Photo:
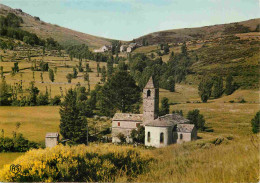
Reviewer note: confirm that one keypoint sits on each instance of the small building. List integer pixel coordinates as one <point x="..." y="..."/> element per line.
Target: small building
<point x="103" y="49"/>
<point x="131" y="47"/>
<point x="51" y="139"/>
<point x="123" y="48"/>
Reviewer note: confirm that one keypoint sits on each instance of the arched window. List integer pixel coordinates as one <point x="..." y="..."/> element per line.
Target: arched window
<point x="181" y="136"/>
<point x="161" y="138"/>
<point x="148" y="93"/>
<point x="148" y="137"/>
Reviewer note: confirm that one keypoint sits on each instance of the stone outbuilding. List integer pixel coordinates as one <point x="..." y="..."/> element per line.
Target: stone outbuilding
<point x="160" y="131"/>
<point x="51" y="139"/>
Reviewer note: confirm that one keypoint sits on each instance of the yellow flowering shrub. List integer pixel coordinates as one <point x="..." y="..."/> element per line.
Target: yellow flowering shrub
<point x="78" y="164"/>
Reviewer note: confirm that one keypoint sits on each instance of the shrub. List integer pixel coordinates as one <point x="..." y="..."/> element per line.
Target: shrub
<point x="196" y="118"/>
<point x="78" y="164"/>
<point x="16" y="144"/>
<point x="138" y="135"/>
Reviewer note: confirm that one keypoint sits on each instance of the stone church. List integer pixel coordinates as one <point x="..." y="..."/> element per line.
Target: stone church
<point x="160" y="131"/>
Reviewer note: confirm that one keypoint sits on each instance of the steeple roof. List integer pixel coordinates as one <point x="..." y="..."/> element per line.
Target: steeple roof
<point x="150" y="83"/>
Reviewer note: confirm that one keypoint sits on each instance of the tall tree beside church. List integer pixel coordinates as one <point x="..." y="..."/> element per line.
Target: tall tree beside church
<point x="73" y="123"/>
<point x="119" y="93"/>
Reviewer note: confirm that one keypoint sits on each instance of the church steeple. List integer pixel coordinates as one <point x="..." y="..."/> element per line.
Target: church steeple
<point x="150" y="101"/>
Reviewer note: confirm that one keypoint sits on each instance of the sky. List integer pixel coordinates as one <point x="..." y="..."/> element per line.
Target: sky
<point x="129" y="19"/>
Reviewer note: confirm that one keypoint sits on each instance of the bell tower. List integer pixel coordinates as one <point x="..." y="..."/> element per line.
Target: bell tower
<point x="150" y="102"/>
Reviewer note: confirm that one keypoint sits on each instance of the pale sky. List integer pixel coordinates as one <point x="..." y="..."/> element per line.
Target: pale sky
<point x="129" y="19"/>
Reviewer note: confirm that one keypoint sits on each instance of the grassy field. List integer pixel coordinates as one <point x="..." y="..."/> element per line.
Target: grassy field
<point x="234" y="159"/>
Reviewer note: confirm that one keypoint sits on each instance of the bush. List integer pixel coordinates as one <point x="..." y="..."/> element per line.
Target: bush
<point x="196" y="118"/>
<point x="16" y="144"/>
<point x="138" y="135"/>
<point x="78" y="164"/>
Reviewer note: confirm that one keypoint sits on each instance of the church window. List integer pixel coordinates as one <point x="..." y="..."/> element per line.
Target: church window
<point x="148" y="137"/>
<point x="148" y="93"/>
<point x="161" y="138"/>
<point x="181" y="136"/>
<point x="118" y="124"/>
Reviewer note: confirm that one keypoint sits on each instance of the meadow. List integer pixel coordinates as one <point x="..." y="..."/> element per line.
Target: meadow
<point x="225" y="152"/>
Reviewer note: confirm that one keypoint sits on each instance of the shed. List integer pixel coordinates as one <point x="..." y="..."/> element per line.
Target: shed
<point x="51" y="139"/>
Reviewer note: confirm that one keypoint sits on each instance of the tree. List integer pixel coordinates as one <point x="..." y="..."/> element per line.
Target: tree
<point x="41" y="77"/>
<point x="15" y="68"/>
<point x="138" y="135"/>
<point x="166" y="49"/>
<point x="119" y="93"/>
<point x="255" y="123"/>
<point x="86" y="76"/>
<point x="196" y="118"/>
<point x="165" y="109"/>
<point x="103" y="74"/>
<point x="73" y="124"/>
<point x="51" y="75"/>
<point x="205" y="87"/>
<point x="229" y="85"/>
<point x="69" y="77"/>
<point x="75" y="72"/>
<point x="109" y="68"/>
<point x="217" y="89"/>
<point x="33" y="93"/>
<point x="184" y="49"/>
<point x="171" y="84"/>
<point x="5" y="93"/>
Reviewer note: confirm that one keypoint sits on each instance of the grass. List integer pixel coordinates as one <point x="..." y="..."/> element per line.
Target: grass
<point x="6" y="158"/>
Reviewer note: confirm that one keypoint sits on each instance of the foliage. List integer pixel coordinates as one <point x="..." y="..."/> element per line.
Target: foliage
<point x="73" y="123"/>
<point x="217" y="89"/>
<point x="51" y="75"/>
<point x="138" y="135"/>
<point x="78" y="164"/>
<point x="16" y="144"/>
<point x="255" y="123"/>
<point x="69" y="77"/>
<point x="165" y="109"/>
<point x="196" y="118"/>
<point x="118" y="93"/>
<point x="204" y="88"/>
<point x="229" y="85"/>
<point x="5" y="93"/>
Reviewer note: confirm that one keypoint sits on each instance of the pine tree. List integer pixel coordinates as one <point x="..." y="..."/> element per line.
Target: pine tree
<point x="73" y="124"/>
<point x="109" y="68"/>
<point x="103" y="74"/>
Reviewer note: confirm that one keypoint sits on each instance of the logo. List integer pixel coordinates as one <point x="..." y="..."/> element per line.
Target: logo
<point x="15" y="168"/>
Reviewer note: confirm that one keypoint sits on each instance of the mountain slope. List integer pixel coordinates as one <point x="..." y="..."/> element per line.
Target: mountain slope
<point x="206" y="32"/>
<point x="44" y="30"/>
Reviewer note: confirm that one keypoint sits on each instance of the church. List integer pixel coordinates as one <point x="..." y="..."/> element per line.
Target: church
<point x="160" y="131"/>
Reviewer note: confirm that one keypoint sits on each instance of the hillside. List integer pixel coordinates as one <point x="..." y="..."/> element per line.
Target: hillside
<point x="200" y="33"/>
<point x="44" y="30"/>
